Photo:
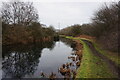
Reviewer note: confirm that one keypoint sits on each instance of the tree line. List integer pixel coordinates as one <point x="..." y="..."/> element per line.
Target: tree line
<point x="20" y="24"/>
<point x="104" y="26"/>
<point x="73" y="30"/>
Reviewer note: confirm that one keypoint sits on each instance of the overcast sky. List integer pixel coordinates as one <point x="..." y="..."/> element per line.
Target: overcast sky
<point x="53" y="12"/>
<point x="66" y="13"/>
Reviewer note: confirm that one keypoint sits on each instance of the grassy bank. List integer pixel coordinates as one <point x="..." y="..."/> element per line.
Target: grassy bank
<point x="91" y="65"/>
<point x="111" y="55"/>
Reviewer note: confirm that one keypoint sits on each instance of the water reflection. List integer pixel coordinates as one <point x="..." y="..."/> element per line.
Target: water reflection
<point x="22" y="59"/>
<point x="69" y="42"/>
<point x="27" y="60"/>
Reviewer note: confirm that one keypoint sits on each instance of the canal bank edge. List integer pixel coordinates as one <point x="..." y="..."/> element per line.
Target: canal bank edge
<point x="91" y="66"/>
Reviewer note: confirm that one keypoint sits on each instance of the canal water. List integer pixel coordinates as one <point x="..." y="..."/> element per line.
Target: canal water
<point x="28" y="61"/>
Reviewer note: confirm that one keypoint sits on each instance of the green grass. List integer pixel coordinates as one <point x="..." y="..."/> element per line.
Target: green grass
<point x="110" y="55"/>
<point x="92" y="66"/>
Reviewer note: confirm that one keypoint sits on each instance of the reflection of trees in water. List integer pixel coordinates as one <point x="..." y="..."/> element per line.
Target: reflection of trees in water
<point x="49" y="44"/>
<point x="22" y="59"/>
<point x="69" y="42"/>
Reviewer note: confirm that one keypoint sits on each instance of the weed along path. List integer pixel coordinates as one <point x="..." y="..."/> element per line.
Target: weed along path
<point x="110" y="63"/>
<point x="93" y="63"/>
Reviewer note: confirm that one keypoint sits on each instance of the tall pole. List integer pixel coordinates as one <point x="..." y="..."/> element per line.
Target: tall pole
<point x="59" y="26"/>
<point x="59" y="33"/>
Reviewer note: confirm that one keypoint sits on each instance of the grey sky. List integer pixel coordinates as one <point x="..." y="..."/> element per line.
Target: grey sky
<point x="66" y="13"/>
<point x="52" y="12"/>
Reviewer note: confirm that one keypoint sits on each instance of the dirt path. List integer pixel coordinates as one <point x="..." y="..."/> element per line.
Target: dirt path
<point x="115" y="69"/>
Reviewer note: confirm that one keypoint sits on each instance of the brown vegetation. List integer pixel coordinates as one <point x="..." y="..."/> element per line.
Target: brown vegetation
<point x="86" y="36"/>
<point x="76" y="57"/>
<point x="103" y="28"/>
<point x="20" y="24"/>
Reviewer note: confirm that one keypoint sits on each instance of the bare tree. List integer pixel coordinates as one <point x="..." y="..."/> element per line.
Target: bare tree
<point x="19" y="13"/>
<point x="106" y="18"/>
<point x="106" y="22"/>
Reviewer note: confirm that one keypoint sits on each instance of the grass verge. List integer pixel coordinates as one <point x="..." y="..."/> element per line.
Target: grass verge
<point x="92" y="66"/>
<point x="110" y="55"/>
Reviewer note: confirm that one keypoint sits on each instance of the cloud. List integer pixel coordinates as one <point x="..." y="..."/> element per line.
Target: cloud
<point x="65" y="13"/>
